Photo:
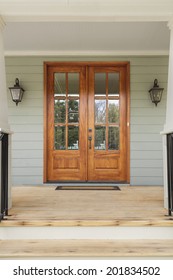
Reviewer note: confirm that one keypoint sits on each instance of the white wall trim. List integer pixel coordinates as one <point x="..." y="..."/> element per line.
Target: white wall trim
<point x="95" y="18"/>
<point x="87" y="53"/>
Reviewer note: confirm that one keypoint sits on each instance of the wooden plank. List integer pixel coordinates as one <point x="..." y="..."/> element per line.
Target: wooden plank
<point x="43" y="206"/>
<point x="86" y="248"/>
<point x="87" y="223"/>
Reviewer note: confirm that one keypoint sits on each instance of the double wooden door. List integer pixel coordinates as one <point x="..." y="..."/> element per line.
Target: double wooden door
<point x="86" y="122"/>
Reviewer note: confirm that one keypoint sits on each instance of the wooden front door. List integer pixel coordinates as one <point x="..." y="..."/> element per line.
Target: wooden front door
<point x="86" y="124"/>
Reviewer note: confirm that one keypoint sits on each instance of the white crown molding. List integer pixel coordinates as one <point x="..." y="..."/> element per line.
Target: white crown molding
<point x="85" y="10"/>
<point x="86" y="53"/>
<point x="87" y="18"/>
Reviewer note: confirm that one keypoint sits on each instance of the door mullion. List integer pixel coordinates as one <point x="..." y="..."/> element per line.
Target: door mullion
<point x="107" y="111"/>
<point x="66" y="125"/>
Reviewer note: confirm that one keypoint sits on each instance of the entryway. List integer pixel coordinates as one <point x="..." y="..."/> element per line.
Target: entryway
<point x="86" y="122"/>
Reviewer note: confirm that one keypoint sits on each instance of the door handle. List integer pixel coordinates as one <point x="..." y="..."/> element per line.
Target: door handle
<point x="90" y="139"/>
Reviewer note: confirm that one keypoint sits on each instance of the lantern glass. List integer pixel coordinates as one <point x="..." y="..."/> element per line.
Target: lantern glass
<point x="156" y="93"/>
<point x="16" y="92"/>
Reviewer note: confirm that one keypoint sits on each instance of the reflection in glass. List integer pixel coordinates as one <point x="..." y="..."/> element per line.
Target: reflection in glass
<point x="113" y="111"/>
<point x="73" y="111"/>
<point x="100" y="84"/>
<point x="73" y="84"/>
<point x="59" y="84"/>
<point x="113" y="138"/>
<point x="100" y="138"/>
<point x="59" y="138"/>
<point x="73" y="138"/>
<point x="59" y="111"/>
<point x="100" y="111"/>
<point x="113" y="84"/>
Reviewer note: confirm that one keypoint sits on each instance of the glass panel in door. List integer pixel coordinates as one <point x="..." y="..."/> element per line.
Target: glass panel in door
<point x="106" y="111"/>
<point x="66" y="111"/>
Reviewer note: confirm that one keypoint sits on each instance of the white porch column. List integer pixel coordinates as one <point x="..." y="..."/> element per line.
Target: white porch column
<point x="4" y="125"/>
<point x="3" y="91"/>
<point x="168" y="127"/>
<point x="169" y="108"/>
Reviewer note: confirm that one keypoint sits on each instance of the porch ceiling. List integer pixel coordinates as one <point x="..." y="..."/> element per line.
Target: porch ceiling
<point x="13" y="9"/>
<point x="86" y="26"/>
<point x="105" y="38"/>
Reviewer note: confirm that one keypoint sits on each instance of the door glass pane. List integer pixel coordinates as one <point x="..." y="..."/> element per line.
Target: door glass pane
<point x="59" y="138"/>
<point x="73" y="111"/>
<point x="100" y="84"/>
<point x="59" y="111"/>
<point x="113" y="138"/>
<point x="113" y="113"/>
<point x="73" y="138"/>
<point x="100" y="111"/>
<point x="100" y="138"/>
<point x="59" y="84"/>
<point x="113" y="84"/>
<point x="73" y="84"/>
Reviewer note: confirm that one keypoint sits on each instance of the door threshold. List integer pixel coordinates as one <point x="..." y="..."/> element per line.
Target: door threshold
<point x="90" y="184"/>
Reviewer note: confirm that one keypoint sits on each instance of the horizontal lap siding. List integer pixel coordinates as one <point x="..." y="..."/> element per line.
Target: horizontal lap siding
<point x="27" y="120"/>
<point x="146" y="120"/>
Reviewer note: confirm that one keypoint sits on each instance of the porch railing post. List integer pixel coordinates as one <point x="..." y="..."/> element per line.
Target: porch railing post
<point x="170" y="172"/>
<point x="4" y="175"/>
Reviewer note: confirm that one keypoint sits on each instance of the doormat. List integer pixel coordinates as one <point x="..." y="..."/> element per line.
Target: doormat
<point x="100" y="188"/>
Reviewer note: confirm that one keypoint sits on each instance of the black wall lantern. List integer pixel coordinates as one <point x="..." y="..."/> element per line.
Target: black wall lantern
<point x="16" y="92"/>
<point x="156" y="93"/>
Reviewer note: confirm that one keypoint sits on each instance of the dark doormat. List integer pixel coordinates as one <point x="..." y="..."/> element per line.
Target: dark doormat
<point x="86" y="188"/>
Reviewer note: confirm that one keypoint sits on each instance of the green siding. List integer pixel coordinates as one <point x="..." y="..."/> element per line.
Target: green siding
<point x="146" y="120"/>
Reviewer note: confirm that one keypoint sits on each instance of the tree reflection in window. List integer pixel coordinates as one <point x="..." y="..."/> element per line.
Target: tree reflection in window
<point x="73" y="111"/>
<point x="113" y="113"/>
<point x="59" y="111"/>
<point x="100" y="111"/>
<point x="59" y="138"/>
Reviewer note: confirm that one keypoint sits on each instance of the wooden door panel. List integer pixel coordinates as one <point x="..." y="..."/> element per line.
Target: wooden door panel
<point x="66" y="125"/>
<point x="66" y="162"/>
<point x="108" y="161"/>
<point x="87" y="124"/>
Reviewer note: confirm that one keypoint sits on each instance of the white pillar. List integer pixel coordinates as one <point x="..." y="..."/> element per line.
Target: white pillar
<point x="4" y="125"/>
<point x="168" y="127"/>
<point x="3" y="90"/>
<point x="169" y="111"/>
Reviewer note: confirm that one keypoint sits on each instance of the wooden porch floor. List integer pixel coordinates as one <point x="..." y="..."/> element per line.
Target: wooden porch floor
<point x="43" y="206"/>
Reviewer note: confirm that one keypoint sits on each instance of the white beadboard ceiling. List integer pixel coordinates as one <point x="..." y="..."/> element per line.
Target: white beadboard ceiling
<point x="86" y="27"/>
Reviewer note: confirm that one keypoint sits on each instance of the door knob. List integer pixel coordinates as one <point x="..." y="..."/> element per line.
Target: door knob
<point x="90" y="139"/>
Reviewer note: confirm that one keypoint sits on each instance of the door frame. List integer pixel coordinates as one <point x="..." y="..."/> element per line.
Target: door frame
<point x="125" y="64"/>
